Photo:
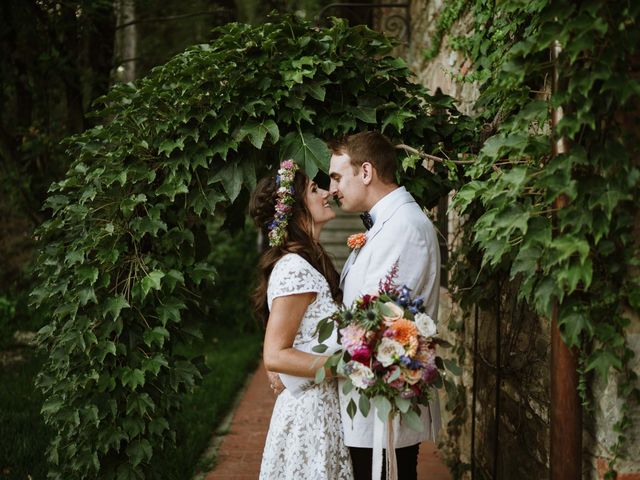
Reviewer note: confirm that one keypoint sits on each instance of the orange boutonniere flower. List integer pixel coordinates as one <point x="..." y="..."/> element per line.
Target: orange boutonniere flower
<point x="356" y="241"/>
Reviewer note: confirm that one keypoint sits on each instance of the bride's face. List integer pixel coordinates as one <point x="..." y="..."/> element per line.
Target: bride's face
<point x="318" y="203"/>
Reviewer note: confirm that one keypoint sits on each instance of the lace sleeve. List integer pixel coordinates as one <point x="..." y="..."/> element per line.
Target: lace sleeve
<point x="292" y="274"/>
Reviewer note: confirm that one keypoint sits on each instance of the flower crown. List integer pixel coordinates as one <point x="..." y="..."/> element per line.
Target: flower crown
<point x="284" y="202"/>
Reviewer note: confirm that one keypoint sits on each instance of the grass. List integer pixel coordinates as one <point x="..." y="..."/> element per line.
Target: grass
<point x="23" y="434"/>
<point x="229" y="356"/>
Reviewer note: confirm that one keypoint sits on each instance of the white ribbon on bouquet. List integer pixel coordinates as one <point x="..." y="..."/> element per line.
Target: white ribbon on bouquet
<point x="389" y="445"/>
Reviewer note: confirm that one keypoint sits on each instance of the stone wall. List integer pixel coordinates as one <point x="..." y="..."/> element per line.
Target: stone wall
<point x="516" y="382"/>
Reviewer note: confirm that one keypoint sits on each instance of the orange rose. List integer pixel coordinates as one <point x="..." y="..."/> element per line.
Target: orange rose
<point x="404" y="331"/>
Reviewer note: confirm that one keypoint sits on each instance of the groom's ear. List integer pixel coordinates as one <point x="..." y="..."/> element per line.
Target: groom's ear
<point x="366" y="173"/>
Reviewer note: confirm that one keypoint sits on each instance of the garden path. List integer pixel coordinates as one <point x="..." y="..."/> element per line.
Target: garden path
<point x="240" y="452"/>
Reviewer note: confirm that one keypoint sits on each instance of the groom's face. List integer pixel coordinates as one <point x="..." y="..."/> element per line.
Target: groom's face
<point x="346" y="186"/>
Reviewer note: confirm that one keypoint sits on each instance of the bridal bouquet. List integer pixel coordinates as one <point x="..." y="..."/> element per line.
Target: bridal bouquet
<point x="388" y="352"/>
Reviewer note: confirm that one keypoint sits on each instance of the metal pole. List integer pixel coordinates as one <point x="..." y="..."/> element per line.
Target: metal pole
<point x="496" y="438"/>
<point x="474" y="394"/>
<point x="565" y="410"/>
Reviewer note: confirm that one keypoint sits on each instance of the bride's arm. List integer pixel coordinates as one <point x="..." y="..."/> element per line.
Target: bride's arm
<point x="283" y="324"/>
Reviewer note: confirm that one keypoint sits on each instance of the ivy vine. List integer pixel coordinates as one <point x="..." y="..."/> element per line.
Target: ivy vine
<point x="125" y="255"/>
<point x="584" y="256"/>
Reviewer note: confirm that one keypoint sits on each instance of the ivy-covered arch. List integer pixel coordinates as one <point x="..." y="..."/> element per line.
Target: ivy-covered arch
<point x="121" y="268"/>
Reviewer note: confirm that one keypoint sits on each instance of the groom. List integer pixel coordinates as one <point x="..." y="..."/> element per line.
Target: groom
<point x="362" y="173"/>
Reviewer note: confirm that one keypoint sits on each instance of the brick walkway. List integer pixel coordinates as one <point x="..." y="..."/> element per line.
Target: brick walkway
<point x="241" y="449"/>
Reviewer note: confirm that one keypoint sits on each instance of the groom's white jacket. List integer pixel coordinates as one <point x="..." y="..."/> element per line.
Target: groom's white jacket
<point x="401" y="232"/>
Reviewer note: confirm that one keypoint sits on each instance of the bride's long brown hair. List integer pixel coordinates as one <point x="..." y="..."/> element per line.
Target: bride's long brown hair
<point x="299" y="239"/>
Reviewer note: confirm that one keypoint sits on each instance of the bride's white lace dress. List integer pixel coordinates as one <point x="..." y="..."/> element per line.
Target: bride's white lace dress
<point x="305" y="434"/>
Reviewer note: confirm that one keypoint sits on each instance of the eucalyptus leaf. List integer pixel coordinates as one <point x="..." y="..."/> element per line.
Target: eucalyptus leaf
<point x="383" y="407"/>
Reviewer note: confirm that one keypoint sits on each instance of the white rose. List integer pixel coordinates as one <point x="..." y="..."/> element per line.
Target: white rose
<point x="360" y="375"/>
<point x="388" y="351"/>
<point x="396" y="312"/>
<point x="426" y="325"/>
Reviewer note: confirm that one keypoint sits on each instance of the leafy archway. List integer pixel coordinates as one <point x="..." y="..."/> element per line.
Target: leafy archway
<point x="122" y="261"/>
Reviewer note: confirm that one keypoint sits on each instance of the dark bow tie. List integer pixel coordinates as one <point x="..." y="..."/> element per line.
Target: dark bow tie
<point x="366" y="220"/>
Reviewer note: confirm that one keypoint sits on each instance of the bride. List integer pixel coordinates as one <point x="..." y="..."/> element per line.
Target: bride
<point x="298" y="287"/>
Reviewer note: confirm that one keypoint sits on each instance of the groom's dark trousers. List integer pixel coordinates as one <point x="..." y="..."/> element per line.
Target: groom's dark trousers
<point x="407" y="459"/>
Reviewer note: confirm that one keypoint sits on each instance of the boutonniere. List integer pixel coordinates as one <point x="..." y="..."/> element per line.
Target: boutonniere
<point x="356" y="241"/>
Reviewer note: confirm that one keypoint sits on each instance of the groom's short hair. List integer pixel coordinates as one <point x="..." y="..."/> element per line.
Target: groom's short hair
<point x="372" y="147"/>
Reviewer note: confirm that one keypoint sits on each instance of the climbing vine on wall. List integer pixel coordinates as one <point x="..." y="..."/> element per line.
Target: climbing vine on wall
<point x="584" y="256"/>
<point x="125" y="254"/>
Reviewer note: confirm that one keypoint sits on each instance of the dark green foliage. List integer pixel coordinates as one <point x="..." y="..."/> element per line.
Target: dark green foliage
<point x="55" y="62"/>
<point x="228" y="357"/>
<point x="583" y="256"/>
<point x="23" y="434"/>
<point x="235" y="257"/>
<point x="126" y="262"/>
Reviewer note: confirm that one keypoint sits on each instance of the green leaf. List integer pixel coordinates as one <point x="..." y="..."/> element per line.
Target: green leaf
<point x="347" y="386"/>
<point x="168" y="146"/>
<point x="231" y="178"/>
<point x="364" y="405"/>
<point x="572" y="324"/>
<point x="172" y="278"/>
<point x="51" y="406"/>
<point x="383" y="407"/>
<point x="565" y="246"/>
<point x="152" y="281"/>
<point x="575" y="273"/>
<point x="325" y="329"/>
<point x="140" y="403"/>
<point x="155" y="363"/>
<point x="170" y="311"/>
<point x="321" y="348"/>
<point x="467" y="194"/>
<point x="156" y="335"/>
<point x="412" y="420"/>
<point x="139" y="451"/>
<point x="366" y="114"/>
<point x="526" y="261"/>
<point x="114" y="306"/>
<point x="320" y="375"/>
<point x="257" y="132"/>
<point x="403" y="404"/>
<point x="73" y="257"/>
<point x="397" y="119"/>
<point x="452" y="366"/>
<point x="602" y="361"/>
<point x="127" y="472"/>
<point x="308" y="151"/>
<point x="394" y="376"/>
<point x="128" y="204"/>
<point x="87" y="273"/>
<point x="106" y="347"/>
<point x="132" y="377"/>
<point x="316" y="91"/>
<point x="158" y="425"/>
<point x="351" y="409"/>
<point x="87" y="294"/>
<point x="202" y="271"/>
<point x="172" y="187"/>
